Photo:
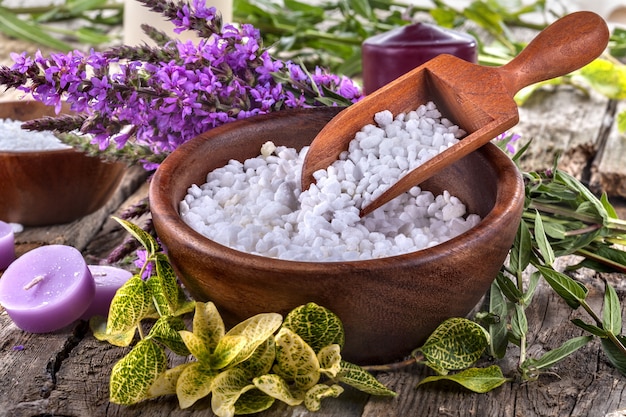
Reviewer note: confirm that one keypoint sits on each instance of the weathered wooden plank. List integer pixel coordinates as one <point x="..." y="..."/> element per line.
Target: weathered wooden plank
<point x="608" y="170"/>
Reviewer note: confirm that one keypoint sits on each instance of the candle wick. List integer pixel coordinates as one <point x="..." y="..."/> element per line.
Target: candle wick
<point x="99" y="274"/>
<point x="34" y="282"/>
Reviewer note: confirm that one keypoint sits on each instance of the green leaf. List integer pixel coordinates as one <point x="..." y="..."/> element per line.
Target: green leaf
<point x="12" y="25"/>
<point x="594" y="330"/>
<point x="196" y="346"/>
<point x="508" y="287"/>
<point x="519" y="323"/>
<point x="227" y="387"/>
<point x="542" y="241"/>
<point x="132" y="303"/>
<point x="166" y="330"/>
<point x="616" y="356"/>
<point x="314" y="396"/>
<point x="135" y="373"/>
<point x="145" y="238"/>
<point x="296" y="360"/>
<point x="520" y="252"/>
<point x="480" y="380"/>
<point x="607" y="77"/>
<point x="533" y="281"/>
<point x="455" y="344"/>
<point x="571" y="291"/>
<point x="498" y="330"/>
<point x="359" y="378"/>
<point x="276" y="387"/>
<point x="612" y="311"/>
<point x="555" y="355"/>
<point x="317" y="326"/>
<point x="195" y="382"/>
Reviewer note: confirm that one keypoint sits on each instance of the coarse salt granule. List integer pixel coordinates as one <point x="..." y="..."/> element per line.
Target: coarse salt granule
<point x="15" y="139"/>
<point x="257" y="206"/>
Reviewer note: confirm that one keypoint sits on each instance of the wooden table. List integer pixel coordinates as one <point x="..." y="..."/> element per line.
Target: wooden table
<point x="66" y="373"/>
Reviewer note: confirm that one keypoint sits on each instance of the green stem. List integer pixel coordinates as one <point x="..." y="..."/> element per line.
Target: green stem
<point x="590" y="255"/>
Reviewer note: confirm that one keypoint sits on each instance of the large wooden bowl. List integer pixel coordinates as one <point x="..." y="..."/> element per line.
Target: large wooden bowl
<point x="388" y="306"/>
<point x="39" y="188"/>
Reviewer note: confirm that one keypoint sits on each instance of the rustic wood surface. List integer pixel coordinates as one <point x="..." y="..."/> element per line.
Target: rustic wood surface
<point x="66" y="373"/>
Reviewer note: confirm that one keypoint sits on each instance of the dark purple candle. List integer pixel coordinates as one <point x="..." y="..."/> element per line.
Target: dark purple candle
<point x="392" y="54"/>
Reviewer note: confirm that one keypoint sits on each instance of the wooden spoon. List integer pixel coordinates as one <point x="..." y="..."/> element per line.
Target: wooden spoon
<point x="477" y="98"/>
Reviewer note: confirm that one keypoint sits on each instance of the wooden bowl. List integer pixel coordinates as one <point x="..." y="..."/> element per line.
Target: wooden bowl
<point x="388" y="306"/>
<point x="40" y="188"/>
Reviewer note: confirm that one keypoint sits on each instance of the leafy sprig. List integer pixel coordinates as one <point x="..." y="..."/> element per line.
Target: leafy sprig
<point x="245" y="369"/>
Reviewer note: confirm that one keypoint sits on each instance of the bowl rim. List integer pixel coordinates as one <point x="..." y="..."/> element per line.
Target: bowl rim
<point x="506" y="206"/>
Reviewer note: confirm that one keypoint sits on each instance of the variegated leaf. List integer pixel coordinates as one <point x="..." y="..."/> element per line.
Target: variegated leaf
<point x="261" y="360"/>
<point x="145" y="238"/>
<point x="316" y="325"/>
<point x="329" y="358"/>
<point x="228" y="386"/>
<point x="276" y="387"/>
<point x="166" y="382"/>
<point x="456" y="344"/>
<point x="196" y="346"/>
<point x="362" y="380"/>
<point x="98" y="327"/>
<point x="133" y="375"/>
<point x="132" y="303"/>
<point x="314" y="396"/>
<point x="228" y="348"/>
<point x="208" y="324"/>
<point x="195" y="382"/>
<point x="169" y="283"/>
<point x="166" y="330"/>
<point x="296" y="360"/>
<point x="256" y="330"/>
<point x="253" y="401"/>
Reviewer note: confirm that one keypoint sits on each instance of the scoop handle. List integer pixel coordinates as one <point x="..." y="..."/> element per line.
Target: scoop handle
<point x="564" y="46"/>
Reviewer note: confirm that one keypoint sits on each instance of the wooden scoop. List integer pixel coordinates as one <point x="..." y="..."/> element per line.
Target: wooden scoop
<point x="477" y="98"/>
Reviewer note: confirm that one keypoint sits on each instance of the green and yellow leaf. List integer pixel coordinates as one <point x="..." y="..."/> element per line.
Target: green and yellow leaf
<point x="359" y="378"/>
<point x="314" y="396"/>
<point x="131" y="303"/>
<point x="168" y="282"/>
<point x="253" y="401"/>
<point x="276" y="387"/>
<point x="133" y="375"/>
<point x="456" y="344"/>
<point x="255" y="330"/>
<point x="98" y="325"/>
<point x="316" y="325"/>
<point x="166" y="330"/>
<point x="145" y="238"/>
<point x="261" y="360"/>
<point x="196" y="346"/>
<point x="478" y="380"/>
<point x="208" y="325"/>
<point x="194" y="382"/>
<point x="228" y="386"/>
<point x="329" y="358"/>
<point x="296" y="359"/>
<point x="227" y="350"/>
<point x="166" y="382"/>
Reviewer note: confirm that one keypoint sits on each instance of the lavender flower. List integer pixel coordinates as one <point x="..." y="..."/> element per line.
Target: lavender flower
<point x="160" y="97"/>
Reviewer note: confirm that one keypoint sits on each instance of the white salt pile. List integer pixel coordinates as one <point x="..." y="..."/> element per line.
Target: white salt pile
<point x="258" y="207"/>
<point x="15" y="139"/>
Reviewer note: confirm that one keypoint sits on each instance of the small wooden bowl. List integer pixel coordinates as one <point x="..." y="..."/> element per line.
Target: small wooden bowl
<point x="388" y="306"/>
<point x="40" y="188"/>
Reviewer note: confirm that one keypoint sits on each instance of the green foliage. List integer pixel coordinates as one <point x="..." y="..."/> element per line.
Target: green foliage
<point x="244" y="370"/>
<point x="479" y="380"/>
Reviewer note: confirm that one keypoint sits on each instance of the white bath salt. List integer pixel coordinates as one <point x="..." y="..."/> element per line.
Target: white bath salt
<point x="257" y="206"/>
<point x="15" y="139"/>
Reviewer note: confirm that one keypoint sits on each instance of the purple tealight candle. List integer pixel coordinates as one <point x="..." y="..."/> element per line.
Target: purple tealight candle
<point x="7" y="245"/>
<point x="47" y="288"/>
<point x="108" y="280"/>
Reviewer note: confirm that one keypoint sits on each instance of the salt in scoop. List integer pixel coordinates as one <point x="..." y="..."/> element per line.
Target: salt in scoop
<point x="479" y="99"/>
